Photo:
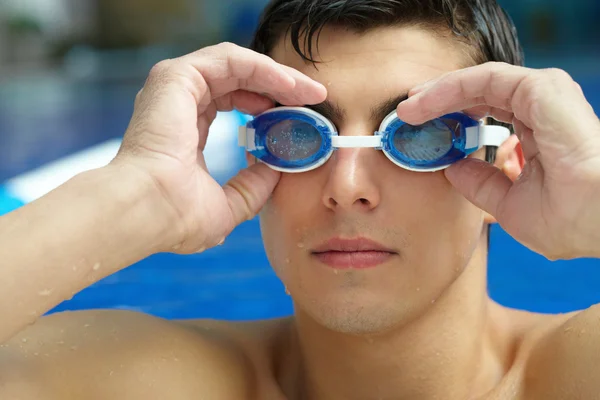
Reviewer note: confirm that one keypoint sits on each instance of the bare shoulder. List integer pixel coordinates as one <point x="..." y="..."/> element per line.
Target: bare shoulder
<point x="121" y="355"/>
<point x="563" y="358"/>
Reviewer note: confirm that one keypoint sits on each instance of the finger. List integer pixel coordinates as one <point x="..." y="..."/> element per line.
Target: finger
<point x="528" y="142"/>
<point x="226" y="68"/>
<point x="204" y="122"/>
<point x="247" y="102"/>
<point x="249" y="190"/>
<point x="507" y="148"/>
<point x="492" y="84"/>
<point x="304" y="84"/>
<point x="498" y="114"/>
<point x="481" y="183"/>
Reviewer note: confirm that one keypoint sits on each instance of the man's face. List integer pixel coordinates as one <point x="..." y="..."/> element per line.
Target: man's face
<point x="359" y="193"/>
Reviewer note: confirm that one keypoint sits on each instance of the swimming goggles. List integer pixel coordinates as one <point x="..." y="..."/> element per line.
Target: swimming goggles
<point x="298" y="139"/>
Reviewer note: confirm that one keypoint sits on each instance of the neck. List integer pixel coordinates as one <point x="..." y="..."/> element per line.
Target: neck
<point x="449" y="352"/>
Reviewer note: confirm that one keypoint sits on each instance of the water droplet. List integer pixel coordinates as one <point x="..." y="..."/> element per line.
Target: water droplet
<point x="36" y="354"/>
<point x="24" y="340"/>
<point x="74" y="268"/>
<point x="111" y="373"/>
<point x="432" y="301"/>
<point x="86" y="325"/>
<point x="335" y="271"/>
<point x="287" y="291"/>
<point x="287" y="260"/>
<point x="61" y="342"/>
<point x="96" y="266"/>
<point x="221" y="242"/>
<point x="73" y="348"/>
<point x="300" y="245"/>
<point x="45" y="292"/>
<point x="418" y="289"/>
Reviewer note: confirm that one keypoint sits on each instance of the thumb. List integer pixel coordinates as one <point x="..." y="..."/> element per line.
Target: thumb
<point x="248" y="191"/>
<point x="481" y="183"/>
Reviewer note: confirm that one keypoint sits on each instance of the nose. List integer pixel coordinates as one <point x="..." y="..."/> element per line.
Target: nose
<point x="352" y="184"/>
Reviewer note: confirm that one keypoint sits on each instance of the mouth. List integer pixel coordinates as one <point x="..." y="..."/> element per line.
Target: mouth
<point x="359" y="253"/>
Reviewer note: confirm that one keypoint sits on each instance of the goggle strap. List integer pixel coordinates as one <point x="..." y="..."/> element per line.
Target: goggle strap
<point x="491" y="135"/>
<point x="487" y="135"/>
<point x="355" y="141"/>
<point x="246" y="136"/>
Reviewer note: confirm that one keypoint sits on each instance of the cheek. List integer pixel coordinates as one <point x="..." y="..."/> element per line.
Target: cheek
<point x="445" y="228"/>
<point x="292" y="211"/>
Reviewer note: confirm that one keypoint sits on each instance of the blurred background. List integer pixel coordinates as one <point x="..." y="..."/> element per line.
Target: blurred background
<point x="69" y="71"/>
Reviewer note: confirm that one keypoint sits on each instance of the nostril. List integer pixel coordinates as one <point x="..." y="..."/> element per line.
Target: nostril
<point x="332" y="202"/>
<point x="365" y="202"/>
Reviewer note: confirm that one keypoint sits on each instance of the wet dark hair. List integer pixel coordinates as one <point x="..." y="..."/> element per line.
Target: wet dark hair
<point x="483" y="28"/>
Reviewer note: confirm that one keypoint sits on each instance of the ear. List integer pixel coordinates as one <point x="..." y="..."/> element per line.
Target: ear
<point x="509" y="159"/>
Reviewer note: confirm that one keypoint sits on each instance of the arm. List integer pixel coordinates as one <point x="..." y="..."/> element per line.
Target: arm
<point x="157" y="195"/>
<point x="111" y="354"/>
<point x="74" y="236"/>
<point x="553" y="207"/>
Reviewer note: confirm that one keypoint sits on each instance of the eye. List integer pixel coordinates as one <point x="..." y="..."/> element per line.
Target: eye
<point x="293" y="140"/>
<point x="427" y="142"/>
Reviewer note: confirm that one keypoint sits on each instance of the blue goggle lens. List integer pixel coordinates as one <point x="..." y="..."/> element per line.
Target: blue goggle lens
<point x="428" y="142"/>
<point x="293" y="140"/>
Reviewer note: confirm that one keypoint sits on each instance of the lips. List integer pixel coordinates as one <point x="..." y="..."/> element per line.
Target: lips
<point x="356" y="253"/>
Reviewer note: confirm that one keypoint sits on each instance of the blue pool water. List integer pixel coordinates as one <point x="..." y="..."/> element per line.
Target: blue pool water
<point x="45" y="119"/>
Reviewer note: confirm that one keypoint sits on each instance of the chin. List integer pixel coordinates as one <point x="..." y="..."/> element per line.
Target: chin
<point x="350" y="315"/>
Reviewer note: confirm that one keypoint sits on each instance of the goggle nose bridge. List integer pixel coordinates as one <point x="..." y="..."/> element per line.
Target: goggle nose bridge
<point x="339" y="142"/>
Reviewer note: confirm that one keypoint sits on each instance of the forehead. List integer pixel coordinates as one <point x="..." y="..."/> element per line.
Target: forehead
<point x="379" y="64"/>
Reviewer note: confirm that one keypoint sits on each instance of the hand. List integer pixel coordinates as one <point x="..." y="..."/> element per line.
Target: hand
<point x="169" y="129"/>
<point x="554" y="206"/>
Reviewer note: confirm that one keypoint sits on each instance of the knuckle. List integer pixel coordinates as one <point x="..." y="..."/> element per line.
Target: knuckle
<point x="161" y="68"/>
<point x="221" y="49"/>
<point x="558" y="74"/>
<point x="532" y="84"/>
<point x="139" y="95"/>
<point x="497" y="68"/>
<point x="497" y="65"/>
<point x="228" y="46"/>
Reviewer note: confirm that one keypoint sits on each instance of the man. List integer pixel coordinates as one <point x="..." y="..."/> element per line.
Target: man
<point x="386" y="265"/>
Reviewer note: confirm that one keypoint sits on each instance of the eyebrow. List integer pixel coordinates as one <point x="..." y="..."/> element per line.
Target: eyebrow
<point x="383" y="109"/>
<point x="335" y="113"/>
